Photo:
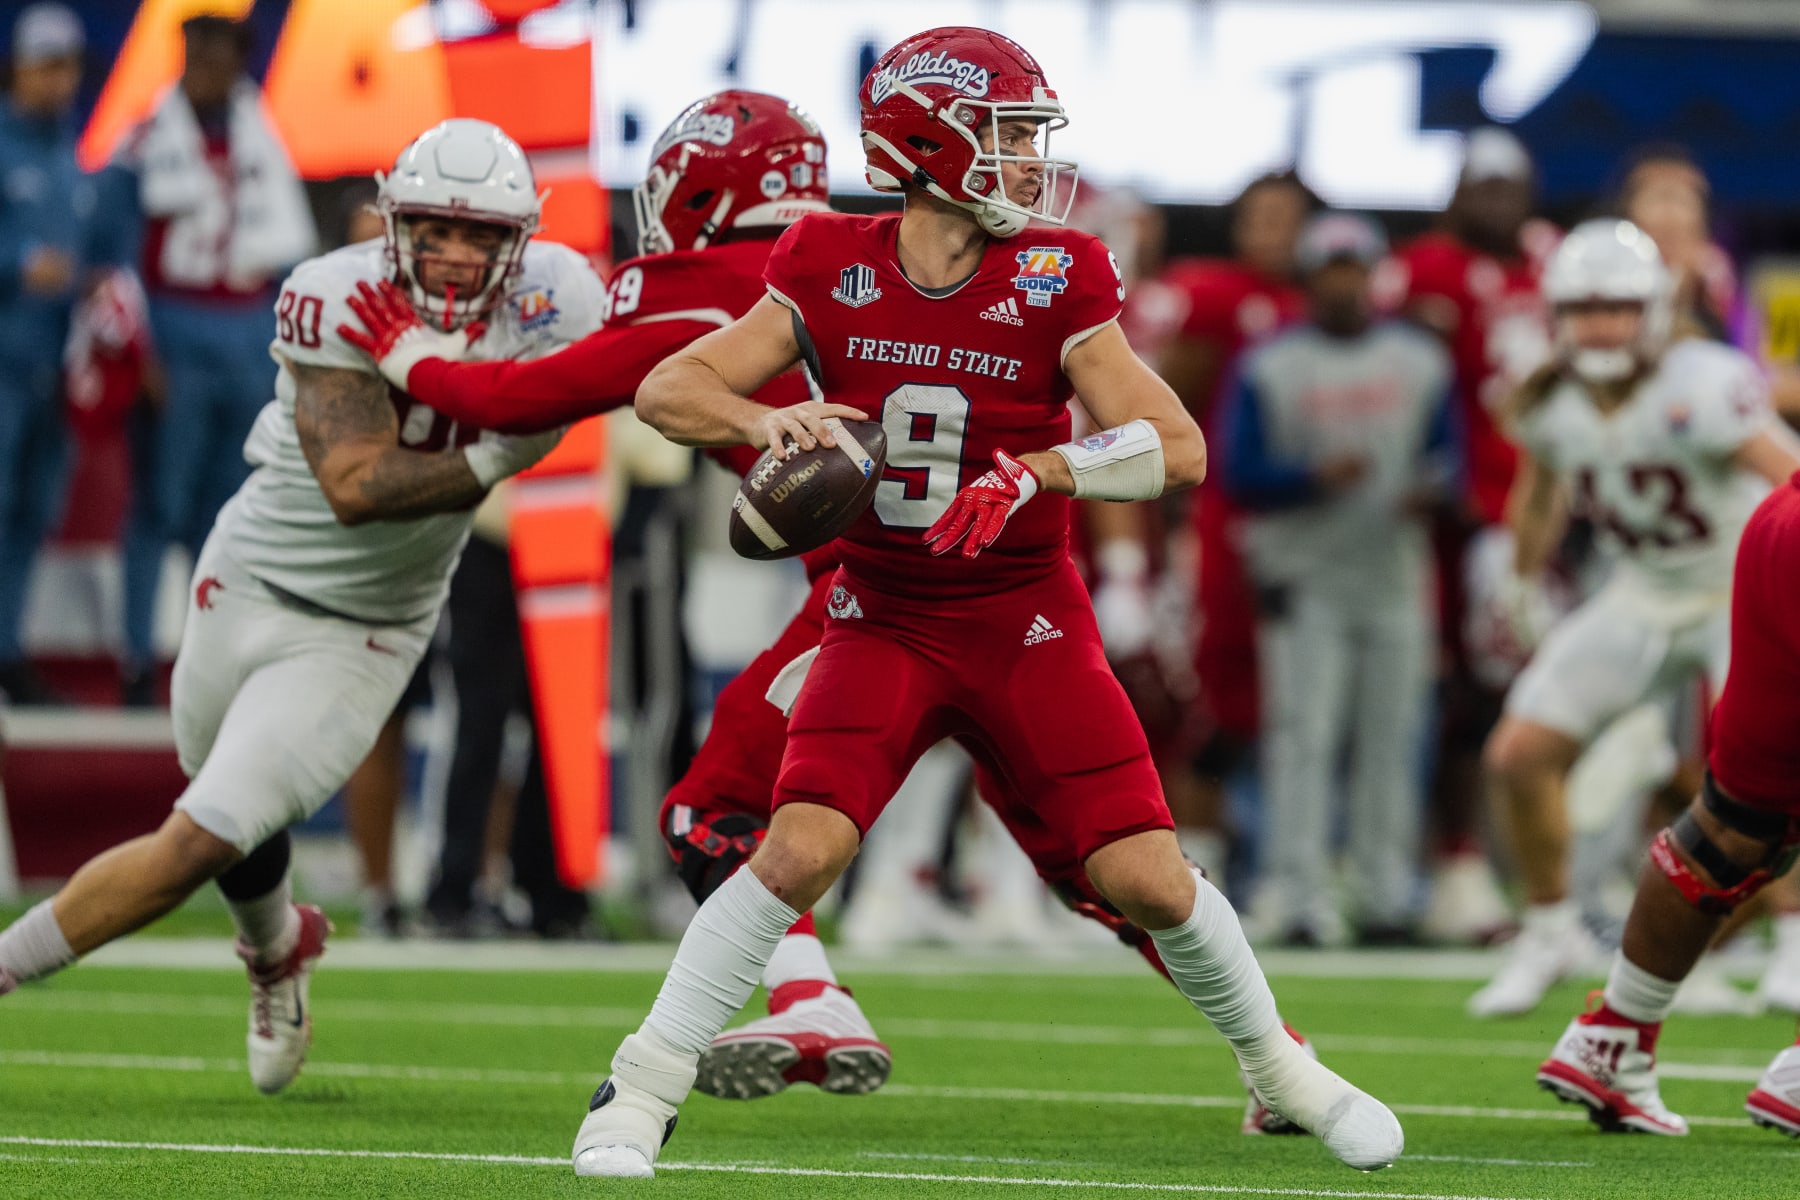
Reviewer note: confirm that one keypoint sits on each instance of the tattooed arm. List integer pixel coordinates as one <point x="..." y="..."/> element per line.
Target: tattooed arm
<point x="350" y="435"/>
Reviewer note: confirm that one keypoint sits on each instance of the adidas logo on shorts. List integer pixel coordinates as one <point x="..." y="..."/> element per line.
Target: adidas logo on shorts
<point x="1006" y="312"/>
<point x="1041" y="631"/>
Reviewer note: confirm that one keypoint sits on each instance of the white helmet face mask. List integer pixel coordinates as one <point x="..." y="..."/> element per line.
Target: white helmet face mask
<point x="462" y="170"/>
<point x="1611" y="262"/>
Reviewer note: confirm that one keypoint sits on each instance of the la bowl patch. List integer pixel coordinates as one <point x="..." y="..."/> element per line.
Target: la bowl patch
<point x="1043" y="274"/>
<point x="536" y="309"/>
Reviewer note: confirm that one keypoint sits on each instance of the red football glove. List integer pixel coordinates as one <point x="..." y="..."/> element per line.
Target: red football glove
<point x="395" y="337"/>
<point x="980" y="511"/>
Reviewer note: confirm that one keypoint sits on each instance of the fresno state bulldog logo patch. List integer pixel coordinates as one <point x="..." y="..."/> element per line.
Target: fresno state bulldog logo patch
<point x="1043" y="274"/>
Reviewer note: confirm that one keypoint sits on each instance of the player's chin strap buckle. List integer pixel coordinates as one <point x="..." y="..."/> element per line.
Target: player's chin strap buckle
<point x="1717" y="900"/>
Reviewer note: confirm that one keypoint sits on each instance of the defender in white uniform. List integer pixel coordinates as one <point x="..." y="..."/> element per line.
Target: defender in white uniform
<point x="317" y="591"/>
<point x="1665" y="449"/>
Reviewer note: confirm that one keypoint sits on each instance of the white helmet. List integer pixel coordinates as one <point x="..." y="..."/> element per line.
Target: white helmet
<point x="1612" y="260"/>
<point x="466" y="170"/>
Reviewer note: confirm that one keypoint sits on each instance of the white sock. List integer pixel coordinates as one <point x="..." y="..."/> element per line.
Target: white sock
<point x="1637" y="995"/>
<point x="721" y="956"/>
<point x="269" y="924"/>
<point x="797" y="956"/>
<point x="33" y="946"/>
<point x="1212" y="965"/>
<point x="1556" y="919"/>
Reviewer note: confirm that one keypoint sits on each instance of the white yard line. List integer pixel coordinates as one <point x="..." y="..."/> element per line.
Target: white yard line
<point x="65" y="1060"/>
<point x="1742" y="1065"/>
<point x="734" y="1169"/>
<point x="925" y="967"/>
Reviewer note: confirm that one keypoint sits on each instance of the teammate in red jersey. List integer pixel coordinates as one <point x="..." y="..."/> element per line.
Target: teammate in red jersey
<point x="702" y="265"/>
<point x="1475" y="282"/>
<point x="1740" y="833"/>
<point x="956" y="612"/>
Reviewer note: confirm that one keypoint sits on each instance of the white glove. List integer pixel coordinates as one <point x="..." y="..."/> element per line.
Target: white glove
<point x="498" y="456"/>
<point x="1526" y="608"/>
<point x="1122" y="601"/>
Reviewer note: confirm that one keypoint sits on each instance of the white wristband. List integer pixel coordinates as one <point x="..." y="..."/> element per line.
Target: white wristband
<point x="1123" y="463"/>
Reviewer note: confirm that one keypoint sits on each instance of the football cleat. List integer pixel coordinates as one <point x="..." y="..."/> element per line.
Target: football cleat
<point x="1775" y="1104"/>
<point x="632" y="1114"/>
<point x="280" y="1019"/>
<point x="1359" y="1129"/>
<point x="1535" y="962"/>
<point x="620" y="1140"/>
<point x="1608" y="1065"/>
<point x="815" y="1033"/>
<point x="1259" y="1118"/>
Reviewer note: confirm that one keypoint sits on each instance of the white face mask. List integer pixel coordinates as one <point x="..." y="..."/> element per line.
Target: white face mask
<point x="1603" y="366"/>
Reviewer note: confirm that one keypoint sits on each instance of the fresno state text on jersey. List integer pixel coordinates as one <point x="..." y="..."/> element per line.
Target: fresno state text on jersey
<point x="952" y="374"/>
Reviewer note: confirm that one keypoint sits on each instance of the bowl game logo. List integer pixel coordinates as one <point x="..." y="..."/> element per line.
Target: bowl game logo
<point x="1043" y="274"/>
<point x="971" y="79"/>
<point x="535" y="309"/>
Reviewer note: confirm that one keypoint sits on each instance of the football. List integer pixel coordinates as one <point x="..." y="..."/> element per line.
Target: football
<point x="789" y="506"/>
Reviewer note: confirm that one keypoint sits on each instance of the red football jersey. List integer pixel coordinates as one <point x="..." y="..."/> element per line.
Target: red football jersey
<point x="1499" y="333"/>
<point x="1234" y="306"/>
<point x="952" y="374"/>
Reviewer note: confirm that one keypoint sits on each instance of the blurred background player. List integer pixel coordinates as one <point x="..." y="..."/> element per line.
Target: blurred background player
<point x="1340" y="440"/>
<point x="973" y="176"/>
<point x="1474" y="281"/>
<point x="318" y="590"/>
<point x="1739" y="834"/>
<point x="1230" y="305"/>
<point x="56" y="234"/>
<point x="226" y="218"/>
<point x="1659" y="444"/>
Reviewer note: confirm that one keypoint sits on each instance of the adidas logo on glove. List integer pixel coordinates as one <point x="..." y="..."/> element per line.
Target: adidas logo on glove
<point x="1041" y="631"/>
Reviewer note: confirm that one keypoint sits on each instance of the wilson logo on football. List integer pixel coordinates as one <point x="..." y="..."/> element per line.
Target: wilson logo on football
<point x="1043" y="274"/>
<point x="971" y="79"/>
<point x="856" y="286"/>
<point x="1006" y="312"/>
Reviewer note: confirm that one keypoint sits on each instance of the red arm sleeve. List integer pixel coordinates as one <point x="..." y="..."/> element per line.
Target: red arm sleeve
<point x="599" y="373"/>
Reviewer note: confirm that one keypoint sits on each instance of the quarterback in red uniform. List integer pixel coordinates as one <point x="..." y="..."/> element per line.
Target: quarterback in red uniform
<point x="701" y="266"/>
<point x="956" y="612"/>
<point x="1739" y="834"/>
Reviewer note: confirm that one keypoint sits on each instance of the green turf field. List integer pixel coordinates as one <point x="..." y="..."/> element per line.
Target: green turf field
<point x="128" y="1082"/>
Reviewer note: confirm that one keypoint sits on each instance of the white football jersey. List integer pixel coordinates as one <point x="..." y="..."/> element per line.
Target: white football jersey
<point x="281" y="528"/>
<point x="1655" y="475"/>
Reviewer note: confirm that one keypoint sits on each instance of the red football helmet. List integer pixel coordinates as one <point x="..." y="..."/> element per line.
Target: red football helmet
<point x="732" y="160"/>
<point x="923" y="107"/>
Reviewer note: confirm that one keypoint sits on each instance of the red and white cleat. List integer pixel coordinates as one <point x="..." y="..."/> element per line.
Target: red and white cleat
<point x="1608" y="1064"/>
<point x="1259" y="1118"/>
<point x="1775" y="1104"/>
<point x="814" y="1033"/>
<point x="280" y="1018"/>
